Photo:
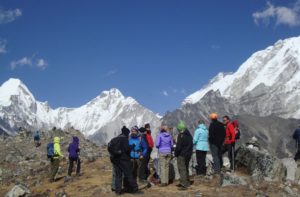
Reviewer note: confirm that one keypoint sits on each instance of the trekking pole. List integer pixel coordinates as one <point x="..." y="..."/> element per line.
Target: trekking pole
<point x="233" y="158"/>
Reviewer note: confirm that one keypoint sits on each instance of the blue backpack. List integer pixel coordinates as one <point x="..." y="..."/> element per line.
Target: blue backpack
<point x="50" y="150"/>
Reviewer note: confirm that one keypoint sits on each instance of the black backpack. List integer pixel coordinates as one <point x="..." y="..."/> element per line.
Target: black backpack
<point x="114" y="147"/>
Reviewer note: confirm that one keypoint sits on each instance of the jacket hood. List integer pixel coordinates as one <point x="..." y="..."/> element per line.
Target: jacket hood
<point x="202" y="126"/>
<point x="76" y="140"/>
<point x="165" y="134"/>
<point x="56" y="140"/>
<point x="187" y="132"/>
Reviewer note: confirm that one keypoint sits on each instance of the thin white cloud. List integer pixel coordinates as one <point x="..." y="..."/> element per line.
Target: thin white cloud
<point x="183" y="91"/>
<point x="165" y="93"/>
<point x="2" y="46"/>
<point x="28" y="61"/>
<point x="282" y="15"/>
<point x="7" y="16"/>
<point x="111" y="72"/>
<point x="41" y="63"/>
<point x="215" y="46"/>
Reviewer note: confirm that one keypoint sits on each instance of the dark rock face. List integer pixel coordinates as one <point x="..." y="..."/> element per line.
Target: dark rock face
<point x="260" y="164"/>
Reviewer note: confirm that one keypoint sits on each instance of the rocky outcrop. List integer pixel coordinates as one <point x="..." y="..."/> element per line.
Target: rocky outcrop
<point x="260" y="164"/>
<point x="19" y="190"/>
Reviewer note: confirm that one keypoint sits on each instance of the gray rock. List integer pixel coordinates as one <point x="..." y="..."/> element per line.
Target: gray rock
<point x="19" y="190"/>
<point x="288" y="190"/>
<point x="230" y="179"/>
<point x="260" y="164"/>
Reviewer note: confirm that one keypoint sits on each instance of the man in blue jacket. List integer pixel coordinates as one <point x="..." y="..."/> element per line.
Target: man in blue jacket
<point x="138" y="151"/>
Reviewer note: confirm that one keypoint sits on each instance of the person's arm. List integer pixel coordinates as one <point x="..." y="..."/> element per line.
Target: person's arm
<point x="178" y="146"/>
<point x="232" y="133"/>
<point x="210" y="134"/>
<point x="144" y="147"/>
<point x="295" y="135"/>
<point x="157" y="141"/>
<point x="196" y="137"/>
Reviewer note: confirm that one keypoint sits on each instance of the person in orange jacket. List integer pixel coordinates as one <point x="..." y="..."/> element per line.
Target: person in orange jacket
<point x="229" y="144"/>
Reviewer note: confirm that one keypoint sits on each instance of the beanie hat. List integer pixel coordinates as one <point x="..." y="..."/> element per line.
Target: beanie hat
<point x="214" y="116"/>
<point x="181" y="126"/>
<point x="125" y="131"/>
<point x="142" y="130"/>
<point x="135" y="128"/>
<point x="147" y="125"/>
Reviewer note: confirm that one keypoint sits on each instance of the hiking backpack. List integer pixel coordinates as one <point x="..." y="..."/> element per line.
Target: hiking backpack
<point x="235" y="123"/>
<point x="114" y="147"/>
<point x="50" y="150"/>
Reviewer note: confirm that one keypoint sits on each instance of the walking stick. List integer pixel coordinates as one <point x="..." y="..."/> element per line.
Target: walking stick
<point x="233" y="157"/>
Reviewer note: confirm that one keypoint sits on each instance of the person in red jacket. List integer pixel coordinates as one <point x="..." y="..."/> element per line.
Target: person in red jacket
<point x="229" y="144"/>
<point x="150" y="146"/>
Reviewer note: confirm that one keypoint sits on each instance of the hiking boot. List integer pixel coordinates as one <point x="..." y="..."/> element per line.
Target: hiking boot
<point x="138" y="192"/>
<point x="182" y="188"/>
<point x="163" y="185"/>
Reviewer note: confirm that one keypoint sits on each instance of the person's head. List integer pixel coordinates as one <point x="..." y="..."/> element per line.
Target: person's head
<point x="200" y="121"/>
<point x="125" y="131"/>
<point x="213" y="116"/>
<point x="56" y="140"/>
<point x="142" y="129"/>
<point x="147" y="126"/>
<point x="226" y="119"/>
<point x="181" y="127"/>
<point x="163" y="128"/>
<point x="75" y="139"/>
<point x="54" y="128"/>
<point x="134" y="130"/>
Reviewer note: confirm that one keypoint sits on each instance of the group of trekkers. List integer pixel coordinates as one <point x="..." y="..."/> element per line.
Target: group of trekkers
<point x="54" y="155"/>
<point x="131" y="151"/>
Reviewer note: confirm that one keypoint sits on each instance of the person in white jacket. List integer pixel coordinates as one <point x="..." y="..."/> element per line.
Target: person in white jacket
<point x="200" y="140"/>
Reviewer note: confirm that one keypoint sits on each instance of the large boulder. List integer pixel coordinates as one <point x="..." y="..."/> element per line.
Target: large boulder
<point x="260" y="164"/>
<point x="19" y="190"/>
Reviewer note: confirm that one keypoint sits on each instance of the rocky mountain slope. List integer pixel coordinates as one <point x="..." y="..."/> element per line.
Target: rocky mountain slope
<point x="268" y="83"/>
<point x="102" y="116"/>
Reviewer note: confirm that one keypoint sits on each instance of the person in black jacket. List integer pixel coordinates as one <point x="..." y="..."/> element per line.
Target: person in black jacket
<point x="122" y="166"/>
<point x="216" y="139"/>
<point x="183" y="152"/>
<point x="296" y="136"/>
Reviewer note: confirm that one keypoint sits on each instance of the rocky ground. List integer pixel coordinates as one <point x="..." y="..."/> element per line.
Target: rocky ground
<point x="24" y="169"/>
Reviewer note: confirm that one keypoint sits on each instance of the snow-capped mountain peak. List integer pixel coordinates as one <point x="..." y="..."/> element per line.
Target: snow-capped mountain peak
<point x="275" y="69"/>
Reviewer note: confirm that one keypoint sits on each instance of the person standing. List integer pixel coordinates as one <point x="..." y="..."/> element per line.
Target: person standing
<point x="164" y="144"/>
<point x="200" y="140"/>
<point x="138" y="152"/>
<point x="74" y="150"/>
<point x="296" y="136"/>
<point x="216" y="139"/>
<point x="55" y="160"/>
<point x="37" y="138"/>
<point x="122" y="167"/>
<point x="229" y="145"/>
<point x="183" y="152"/>
<point x="150" y="147"/>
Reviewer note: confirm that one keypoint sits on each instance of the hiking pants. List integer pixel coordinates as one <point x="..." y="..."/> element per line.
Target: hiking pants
<point x="164" y="163"/>
<point x="183" y="168"/>
<point x="230" y="149"/>
<point x="201" y="162"/>
<point x="54" y="168"/>
<point x="71" y="164"/>
<point x="142" y="169"/>
<point x="136" y="166"/>
<point x="148" y="157"/>
<point x="124" y="168"/>
<point x="217" y="157"/>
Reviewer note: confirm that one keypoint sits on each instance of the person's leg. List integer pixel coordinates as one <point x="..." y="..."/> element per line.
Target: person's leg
<point x="187" y="166"/>
<point x="168" y="159"/>
<point x="198" y="157"/>
<point x="71" y="161"/>
<point x="134" y="168"/>
<point x="128" y="176"/>
<point x="78" y="166"/>
<point x="142" y="169"/>
<point x="202" y="165"/>
<point x="220" y="154"/>
<point x="182" y="170"/>
<point x="55" y="168"/>
<point x="147" y="162"/>
<point x="113" y="180"/>
<point x="216" y="158"/>
<point x="163" y="169"/>
<point x="117" y="178"/>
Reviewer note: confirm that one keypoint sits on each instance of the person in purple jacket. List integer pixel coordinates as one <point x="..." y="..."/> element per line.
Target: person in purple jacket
<point x="74" y="156"/>
<point x="164" y="144"/>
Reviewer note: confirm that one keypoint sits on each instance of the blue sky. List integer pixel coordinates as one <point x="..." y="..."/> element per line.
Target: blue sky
<point x="156" y="51"/>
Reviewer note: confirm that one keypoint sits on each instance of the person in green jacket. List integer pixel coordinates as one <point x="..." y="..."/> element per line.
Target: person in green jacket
<point x="55" y="159"/>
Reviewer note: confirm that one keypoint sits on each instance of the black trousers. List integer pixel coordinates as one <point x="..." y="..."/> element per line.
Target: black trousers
<point x="144" y="171"/>
<point x="230" y="149"/>
<point x="124" y="168"/>
<point x="201" y="162"/>
<point x="71" y="164"/>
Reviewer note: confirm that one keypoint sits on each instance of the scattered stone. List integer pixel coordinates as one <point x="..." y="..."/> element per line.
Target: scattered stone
<point x="230" y="179"/>
<point x="288" y="190"/>
<point x="19" y="190"/>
